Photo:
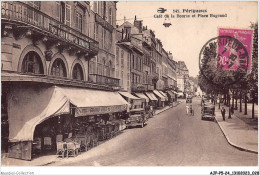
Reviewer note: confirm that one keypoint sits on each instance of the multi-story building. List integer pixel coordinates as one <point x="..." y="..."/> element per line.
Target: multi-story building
<point x="165" y="70"/>
<point x="149" y="38"/>
<point x="134" y="39"/>
<point x="57" y="64"/>
<point x="158" y="58"/>
<point x="172" y="76"/>
<point x="123" y="57"/>
<point x="182" y="76"/>
<point x="102" y="66"/>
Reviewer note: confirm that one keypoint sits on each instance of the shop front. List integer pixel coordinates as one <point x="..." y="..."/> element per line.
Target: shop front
<point x="152" y="99"/>
<point x="175" y="95"/>
<point x="145" y="101"/>
<point x="136" y="103"/>
<point x="160" y="97"/>
<point x="171" y="96"/>
<point x="165" y="96"/>
<point x="144" y="98"/>
<point x="42" y="116"/>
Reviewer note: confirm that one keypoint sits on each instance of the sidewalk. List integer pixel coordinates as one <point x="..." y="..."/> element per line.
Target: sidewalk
<point x="238" y="133"/>
<point x="48" y="159"/>
<point x="166" y="108"/>
<point x="248" y="118"/>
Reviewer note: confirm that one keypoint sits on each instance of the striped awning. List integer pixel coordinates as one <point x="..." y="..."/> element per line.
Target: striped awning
<point x="151" y="96"/>
<point x="156" y="92"/>
<point x="141" y="95"/>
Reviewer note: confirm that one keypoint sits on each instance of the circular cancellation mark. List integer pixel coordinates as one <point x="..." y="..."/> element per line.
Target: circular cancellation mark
<point x="223" y="61"/>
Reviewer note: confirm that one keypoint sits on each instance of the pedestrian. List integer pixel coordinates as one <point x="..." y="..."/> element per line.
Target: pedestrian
<point x="232" y="110"/>
<point x="191" y="111"/>
<point x="187" y="109"/>
<point x="223" y="112"/>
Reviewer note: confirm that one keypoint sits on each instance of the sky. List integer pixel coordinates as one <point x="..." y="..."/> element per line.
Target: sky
<point x="186" y="36"/>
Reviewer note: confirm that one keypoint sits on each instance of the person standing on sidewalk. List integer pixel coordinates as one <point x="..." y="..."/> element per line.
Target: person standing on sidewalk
<point x="223" y="112"/>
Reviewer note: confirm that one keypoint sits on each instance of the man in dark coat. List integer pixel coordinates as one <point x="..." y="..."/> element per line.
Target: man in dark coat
<point x="223" y="112"/>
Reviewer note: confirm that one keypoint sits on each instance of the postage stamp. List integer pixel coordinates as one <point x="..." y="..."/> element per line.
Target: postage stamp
<point x="223" y="60"/>
<point x="232" y="55"/>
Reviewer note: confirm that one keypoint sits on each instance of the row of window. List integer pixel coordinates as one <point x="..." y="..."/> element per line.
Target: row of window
<point x="122" y="57"/>
<point x="101" y="68"/>
<point x="101" y="9"/>
<point x="135" y="78"/>
<point x="137" y="63"/>
<point x="63" y="11"/>
<point x="106" y="36"/>
<point x="32" y="64"/>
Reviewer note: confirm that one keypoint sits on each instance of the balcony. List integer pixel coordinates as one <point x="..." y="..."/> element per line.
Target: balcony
<point x="27" y="17"/>
<point x="103" y="23"/>
<point x="105" y="80"/>
<point x="137" y="87"/>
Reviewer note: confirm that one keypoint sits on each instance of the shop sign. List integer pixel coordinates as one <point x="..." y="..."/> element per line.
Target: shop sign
<point x="99" y="110"/>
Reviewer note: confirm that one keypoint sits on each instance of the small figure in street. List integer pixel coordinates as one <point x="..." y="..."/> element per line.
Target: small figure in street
<point x="232" y="110"/>
<point x="191" y="111"/>
<point x="223" y="112"/>
<point x="187" y="109"/>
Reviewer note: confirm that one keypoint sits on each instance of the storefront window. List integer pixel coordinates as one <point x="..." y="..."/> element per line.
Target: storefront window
<point x="77" y="72"/>
<point x="32" y="63"/>
<point x="58" y="68"/>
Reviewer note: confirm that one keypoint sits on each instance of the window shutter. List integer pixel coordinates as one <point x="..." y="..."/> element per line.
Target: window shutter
<point x="58" y="10"/>
<point x="68" y="11"/>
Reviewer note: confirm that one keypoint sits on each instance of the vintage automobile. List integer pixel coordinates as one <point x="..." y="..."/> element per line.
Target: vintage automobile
<point x="208" y="112"/>
<point x="136" y="117"/>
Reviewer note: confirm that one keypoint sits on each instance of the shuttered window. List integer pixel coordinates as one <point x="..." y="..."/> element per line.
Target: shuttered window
<point x="63" y="13"/>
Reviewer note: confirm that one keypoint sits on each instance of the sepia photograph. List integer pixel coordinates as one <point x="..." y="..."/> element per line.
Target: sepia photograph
<point x="129" y="83"/>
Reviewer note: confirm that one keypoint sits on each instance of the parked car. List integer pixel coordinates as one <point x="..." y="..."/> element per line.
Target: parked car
<point x="208" y="112"/>
<point x="137" y="117"/>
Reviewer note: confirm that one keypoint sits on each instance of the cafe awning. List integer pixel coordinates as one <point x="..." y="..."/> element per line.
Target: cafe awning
<point x="156" y="92"/>
<point x="135" y="100"/>
<point x="174" y="92"/>
<point x="171" y="94"/>
<point x="91" y="102"/>
<point x="128" y="95"/>
<point x="141" y="95"/>
<point x="151" y="96"/>
<point x="162" y="93"/>
<point x="166" y="97"/>
<point x="33" y="106"/>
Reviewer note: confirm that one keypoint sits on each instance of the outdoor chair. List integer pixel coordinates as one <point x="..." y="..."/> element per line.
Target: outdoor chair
<point x="78" y="146"/>
<point x="82" y="140"/>
<point x="71" y="149"/>
<point x="61" y="149"/>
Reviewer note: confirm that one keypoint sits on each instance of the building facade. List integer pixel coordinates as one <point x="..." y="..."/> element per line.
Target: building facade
<point x="102" y="66"/>
<point x="58" y="63"/>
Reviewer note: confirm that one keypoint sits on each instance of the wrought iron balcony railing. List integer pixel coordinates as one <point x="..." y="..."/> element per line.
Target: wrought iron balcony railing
<point x="104" y="80"/>
<point x="20" y="12"/>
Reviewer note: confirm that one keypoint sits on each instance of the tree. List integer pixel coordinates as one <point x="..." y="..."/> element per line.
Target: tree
<point x="253" y="76"/>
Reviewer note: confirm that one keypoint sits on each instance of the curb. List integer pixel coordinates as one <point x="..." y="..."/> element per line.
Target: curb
<point x="232" y="144"/>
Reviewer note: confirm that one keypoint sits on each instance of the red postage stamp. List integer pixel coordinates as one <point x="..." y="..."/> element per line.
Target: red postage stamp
<point x="231" y="55"/>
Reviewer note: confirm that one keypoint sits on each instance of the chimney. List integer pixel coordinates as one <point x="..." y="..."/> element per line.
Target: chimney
<point x="122" y="34"/>
<point x="138" y="24"/>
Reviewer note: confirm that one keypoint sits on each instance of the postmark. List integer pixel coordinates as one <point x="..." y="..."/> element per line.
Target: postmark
<point x="223" y="61"/>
